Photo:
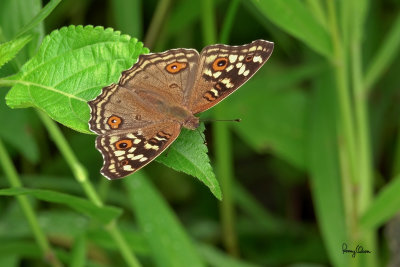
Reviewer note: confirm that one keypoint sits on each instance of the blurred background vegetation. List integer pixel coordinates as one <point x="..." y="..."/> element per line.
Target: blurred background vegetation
<point x="313" y="165"/>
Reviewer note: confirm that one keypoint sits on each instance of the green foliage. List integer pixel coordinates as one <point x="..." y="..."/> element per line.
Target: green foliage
<point x="168" y="242"/>
<point x="313" y="164"/>
<point x="10" y="49"/>
<point x="103" y="214"/>
<point x="294" y="17"/>
<point x="70" y="68"/>
<point x="189" y="154"/>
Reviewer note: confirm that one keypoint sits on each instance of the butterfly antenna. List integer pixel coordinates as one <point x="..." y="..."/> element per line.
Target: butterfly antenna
<point x="204" y="140"/>
<point x="215" y="120"/>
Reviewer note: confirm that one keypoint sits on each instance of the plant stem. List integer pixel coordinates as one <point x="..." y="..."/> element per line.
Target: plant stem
<point x="365" y="181"/>
<point x="14" y="180"/>
<point x="81" y="176"/>
<point x="208" y="22"/>
<point x="156" y="23"/>
<point x="346" y="135"/>
<point x="221" y="134"/>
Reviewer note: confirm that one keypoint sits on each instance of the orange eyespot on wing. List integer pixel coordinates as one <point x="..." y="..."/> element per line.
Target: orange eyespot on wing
<point x="114" y="122"/>
<point x="220" y="63"/>
<point x="175" y="67"/>
<point x="123" y="144"/>
<point x="249" y="58"/>
<point x="124" y="162"/>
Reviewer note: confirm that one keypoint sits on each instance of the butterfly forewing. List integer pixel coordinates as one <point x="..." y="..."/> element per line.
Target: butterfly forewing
<point x="164" y="74"/>
<point x="223" y="69"/>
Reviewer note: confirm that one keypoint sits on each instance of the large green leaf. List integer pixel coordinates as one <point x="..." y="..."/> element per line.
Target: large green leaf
<point x="70" y="68"/>
<point x="169" y="244"/>
<point x="189" y="154"/>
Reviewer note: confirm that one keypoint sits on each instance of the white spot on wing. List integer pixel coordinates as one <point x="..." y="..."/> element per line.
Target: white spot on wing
<point x="232" y="58"/>
<point x="149" y="146"/>
<point x="229" y="68"/>
<point x="118" y="153"/>
<point x="217" y="74"/>
<point x="138" y="157"/>
<point x="242" y="69"/>
<point x="227" y="83"/>
<point x="128" y="168"/>
<point x="143" y="159"/>
<point x="208" y="72"/>
<point x="257" y="59"/>
<point x="214" y="91"/>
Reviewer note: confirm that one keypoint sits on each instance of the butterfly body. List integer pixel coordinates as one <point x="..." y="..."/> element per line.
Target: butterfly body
<point x="143" y="114"/>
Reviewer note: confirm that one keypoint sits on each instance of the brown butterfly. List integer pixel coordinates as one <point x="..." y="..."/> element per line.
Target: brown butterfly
<point x="139" y="117"/>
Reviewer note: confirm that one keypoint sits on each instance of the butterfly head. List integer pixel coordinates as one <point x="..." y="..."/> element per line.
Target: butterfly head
<point x="191" y="122"/>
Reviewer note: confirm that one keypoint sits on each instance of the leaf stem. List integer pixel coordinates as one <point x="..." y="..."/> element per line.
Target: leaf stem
<point x="14" y="180"/>
<point x="81" y="176"/>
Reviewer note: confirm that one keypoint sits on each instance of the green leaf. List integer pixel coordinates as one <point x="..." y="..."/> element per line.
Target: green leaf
<point x="169" y="244"/>
<point x="384" y="207"/>
<point x="104" y="214"/>
<point x="10" y="49"/>
<point x="70" y="68"/>
<point x="293" y="17"/>
<point x="189" y="154"/>
<point x="324" y="169"/>
<point x="384" y="55"/>
<point x="14" y="15"/>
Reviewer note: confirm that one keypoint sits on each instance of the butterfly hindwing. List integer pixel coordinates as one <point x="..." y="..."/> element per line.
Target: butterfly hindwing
<point x="125" y="153"/>
<point x="223" y="69"/>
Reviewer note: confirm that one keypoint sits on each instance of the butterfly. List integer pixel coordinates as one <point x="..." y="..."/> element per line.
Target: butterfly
<point x="140" y="116"/>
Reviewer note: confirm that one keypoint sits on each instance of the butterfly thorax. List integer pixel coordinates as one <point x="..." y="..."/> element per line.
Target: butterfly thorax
<point x="184" y="117"/>
<point x="191" y="122"/>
